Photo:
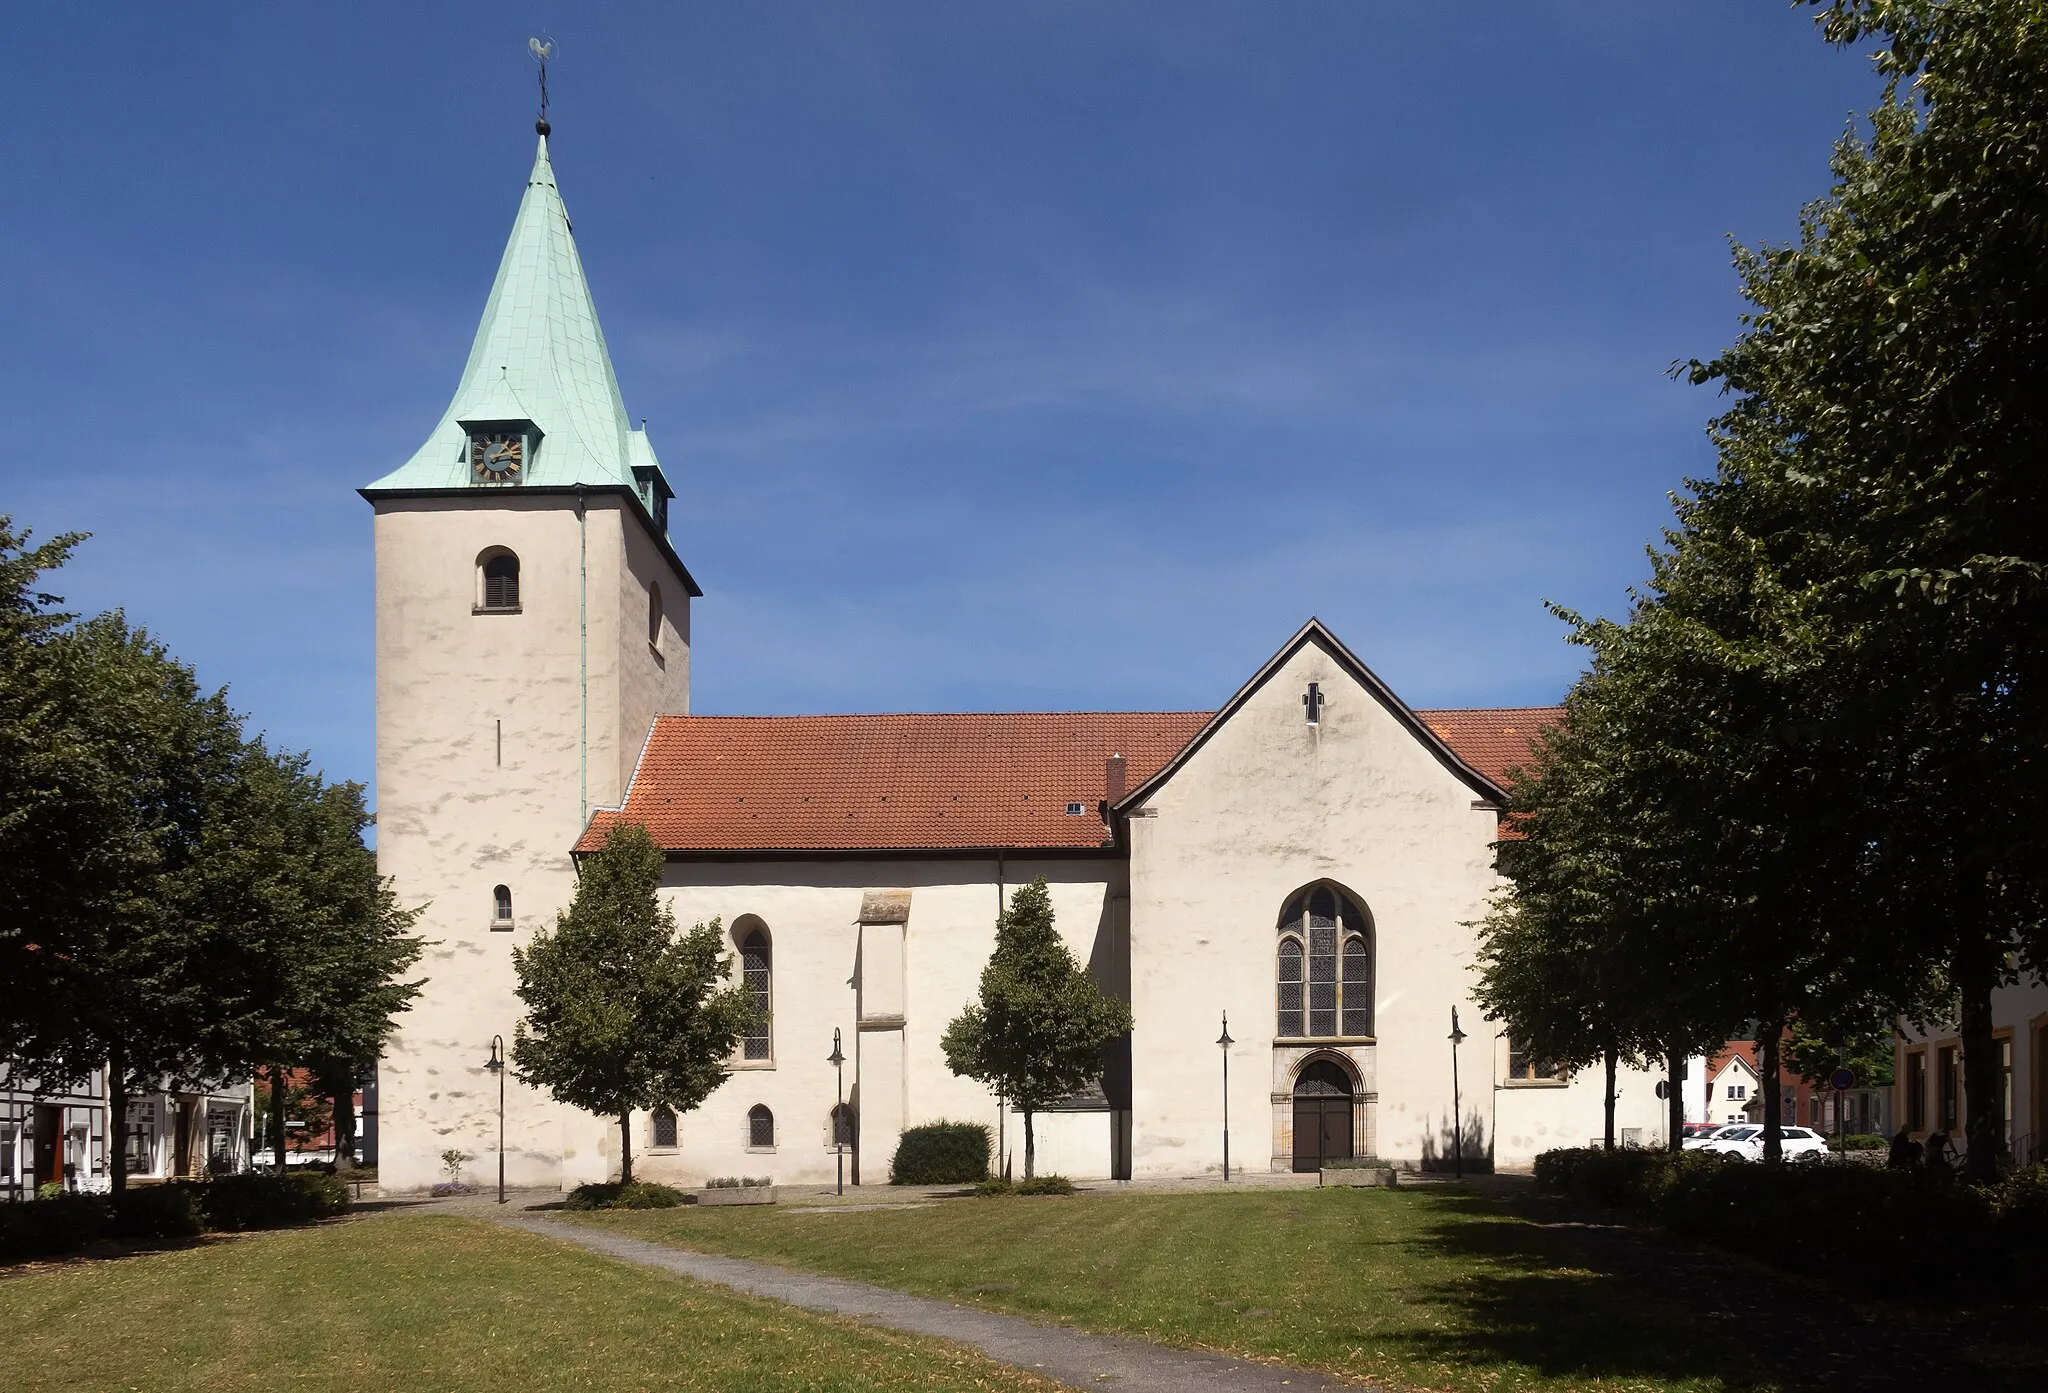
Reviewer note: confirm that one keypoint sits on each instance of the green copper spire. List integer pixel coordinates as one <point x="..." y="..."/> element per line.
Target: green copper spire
<point x="539" y="356"/>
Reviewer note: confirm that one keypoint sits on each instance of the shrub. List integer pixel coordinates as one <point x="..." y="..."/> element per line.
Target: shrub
<point x="158" y="1211"/>
<point x="1357" y="1163"/>
<point x="1045" y="1185"/>
<point x="259" y="1201"/>
<point x="994" y="1186"/>
<point x="941" y="1153"/>
<point x="739" y="1182"/>
<point x="48" y="1228"/>
<point x="1860" y="1141"/>
<point x="640" y="1194"/>
<point x="1848" y="1218"/>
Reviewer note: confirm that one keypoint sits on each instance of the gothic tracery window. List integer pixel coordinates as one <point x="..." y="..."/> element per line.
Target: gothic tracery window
<point x="1324" y="976"/>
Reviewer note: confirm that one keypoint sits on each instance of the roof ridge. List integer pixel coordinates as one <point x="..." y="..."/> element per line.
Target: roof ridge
<point x="891" y="715"/>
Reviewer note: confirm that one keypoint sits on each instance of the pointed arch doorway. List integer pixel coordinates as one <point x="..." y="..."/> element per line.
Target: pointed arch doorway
<point x="1322" y="1115"/>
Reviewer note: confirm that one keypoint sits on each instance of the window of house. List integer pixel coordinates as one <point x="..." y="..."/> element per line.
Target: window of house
<point x="654" y="617"/>
<point x="1916" y="1091"/>
<point x="1737" y="1092"/>
<point x="1324" y="966"/>
<point x="500" y="580"/>
<point x="760" y="1128"/>
<point x="501" y="907"/>
<point x="754" y="976"/>
<point x="1524" y="1065"/>
<point x="842" y="1125"/>
<point x="1949" y="1112"/>
<point x="664" y="1127"/>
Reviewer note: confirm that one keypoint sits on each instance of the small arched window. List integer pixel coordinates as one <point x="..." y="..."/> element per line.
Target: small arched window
<point x="500" y="580"/>
<point x="842" y="1126"/>
<point x="654" y="617"/>
<point x="664" y="1127"/>
<point x="755" y="977"/>
<point x="501" y="905"/>
<point x="760" y="1128"/>
<point x="1324" y="970"/>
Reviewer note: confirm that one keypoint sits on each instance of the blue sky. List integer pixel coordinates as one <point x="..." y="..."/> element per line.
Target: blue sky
<point x="1032" y="355"/>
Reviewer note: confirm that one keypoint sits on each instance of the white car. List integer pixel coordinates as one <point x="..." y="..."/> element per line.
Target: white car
<point x="1747" y="1142"/>
<point x="1730" y="1132"/>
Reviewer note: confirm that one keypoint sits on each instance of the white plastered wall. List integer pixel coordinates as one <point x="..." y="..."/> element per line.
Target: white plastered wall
<point x="1267" y="805"/>
<point x="895" y="1069"/>
<point x="458" y="813"/>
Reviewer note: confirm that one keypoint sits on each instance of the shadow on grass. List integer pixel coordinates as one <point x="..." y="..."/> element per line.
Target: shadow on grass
<point x="1581" y="1300"/>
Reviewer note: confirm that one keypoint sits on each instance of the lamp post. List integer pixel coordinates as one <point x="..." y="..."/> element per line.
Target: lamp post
<point x="1457" y="1105"/>
<point x="496" y="1064"/>
<point x="1225" y="1042"/>
<point x="837" y="1059"/>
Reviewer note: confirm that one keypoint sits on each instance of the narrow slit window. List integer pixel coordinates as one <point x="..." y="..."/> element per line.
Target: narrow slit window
<point x="755" y="963"/>
<point x="654" y="617"/>
<point x="501" y="905"/>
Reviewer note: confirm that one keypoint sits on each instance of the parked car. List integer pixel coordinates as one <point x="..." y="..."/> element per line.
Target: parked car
<point x="1699" y="1129"/>
<point x="1724" y="1131"/>
<point x="1794" y="1143"/>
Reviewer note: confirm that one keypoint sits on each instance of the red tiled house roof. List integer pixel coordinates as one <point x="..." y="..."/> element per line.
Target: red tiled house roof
<point x="940" y="781"/>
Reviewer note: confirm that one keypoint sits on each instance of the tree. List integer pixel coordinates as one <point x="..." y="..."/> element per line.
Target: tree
<point x="1037" y="1033"/>
<point x="1880" y="474"/>
<point x="625" y="1013"/>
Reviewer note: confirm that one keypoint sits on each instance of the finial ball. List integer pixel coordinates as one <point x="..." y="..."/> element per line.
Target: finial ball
<point x="542" y="126"/>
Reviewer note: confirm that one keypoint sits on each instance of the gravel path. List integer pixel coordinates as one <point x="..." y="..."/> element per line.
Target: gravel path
<point x="1077" y="1359"/>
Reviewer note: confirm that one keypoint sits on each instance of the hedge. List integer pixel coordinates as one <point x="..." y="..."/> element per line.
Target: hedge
<point x="941" y="1153"/>
<point x="48" y="1228"/>
<point x="68" y="1223"/>
<point x="1825" y="1218"/>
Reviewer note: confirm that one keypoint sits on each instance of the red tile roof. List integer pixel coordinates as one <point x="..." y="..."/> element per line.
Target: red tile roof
<point x="952" y="780"/>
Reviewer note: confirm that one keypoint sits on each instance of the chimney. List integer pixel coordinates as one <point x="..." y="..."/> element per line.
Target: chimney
<point x="1113" y="778"/>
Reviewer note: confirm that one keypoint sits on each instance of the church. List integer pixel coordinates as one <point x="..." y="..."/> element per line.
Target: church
<point x="1299" y="869"/>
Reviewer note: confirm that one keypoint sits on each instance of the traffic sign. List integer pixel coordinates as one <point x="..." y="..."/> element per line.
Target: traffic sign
<point x="1663" y="1088"/>
<point x="1843" y="1080"/>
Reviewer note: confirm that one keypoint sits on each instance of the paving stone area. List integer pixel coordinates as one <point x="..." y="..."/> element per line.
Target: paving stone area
<point x="1077" y="1359"/>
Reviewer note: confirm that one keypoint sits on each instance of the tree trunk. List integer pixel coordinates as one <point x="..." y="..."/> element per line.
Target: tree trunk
<point x="344" y="1104"/>
<point x="117" y="1123"/>
<point x="625" y="1148"/>
<point x="1774" y="1104"/>
<point x="1030" y="1146"/>
<point x="1612" y="1060"/>
<point x="280" y="1090"/>
<point x="1675" y="1086"/>
<point x="1983" y="1100"/>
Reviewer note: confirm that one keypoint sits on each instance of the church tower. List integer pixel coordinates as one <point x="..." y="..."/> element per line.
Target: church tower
<point x="532" y="620"/>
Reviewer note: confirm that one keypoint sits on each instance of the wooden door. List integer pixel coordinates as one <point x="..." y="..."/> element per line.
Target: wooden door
<point x="1322" y="1116"/>
<point x="49" y="1145"/>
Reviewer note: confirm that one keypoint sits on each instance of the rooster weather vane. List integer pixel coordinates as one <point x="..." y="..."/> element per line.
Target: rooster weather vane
<point x="542" y="50"/>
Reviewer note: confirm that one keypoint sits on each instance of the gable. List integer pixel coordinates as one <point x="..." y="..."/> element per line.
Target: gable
<point x="1498" y="742"/>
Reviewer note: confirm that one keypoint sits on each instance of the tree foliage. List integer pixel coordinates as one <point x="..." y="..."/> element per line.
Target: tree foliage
<point x="623" y="1011"/>
<point x="183" y="904"/>
<point x="1037" y="1033"/>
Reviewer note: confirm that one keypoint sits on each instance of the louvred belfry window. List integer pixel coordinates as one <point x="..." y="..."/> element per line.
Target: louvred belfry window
<point x="501" y="581"/>
<point x="1324" y="967"/>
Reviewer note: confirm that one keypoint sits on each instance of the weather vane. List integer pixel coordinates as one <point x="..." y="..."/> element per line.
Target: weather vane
<point x="542" y="50"/>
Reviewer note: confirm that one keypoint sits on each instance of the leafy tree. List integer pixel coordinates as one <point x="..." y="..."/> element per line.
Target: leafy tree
<point x="1037" y="1033"/>
<point x="1880" y="480"/>
<point x="282" y="1098"/>
<point x="624" y="1012"/>
<point x="1814" y="1052"/>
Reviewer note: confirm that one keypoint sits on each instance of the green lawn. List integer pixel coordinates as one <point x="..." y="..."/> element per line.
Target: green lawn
<point x="434" y="1303"/>
<point x="1421" y="1288"/>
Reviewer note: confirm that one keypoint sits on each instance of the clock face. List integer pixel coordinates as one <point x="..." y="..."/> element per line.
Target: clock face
<point x="496" y="457"/>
